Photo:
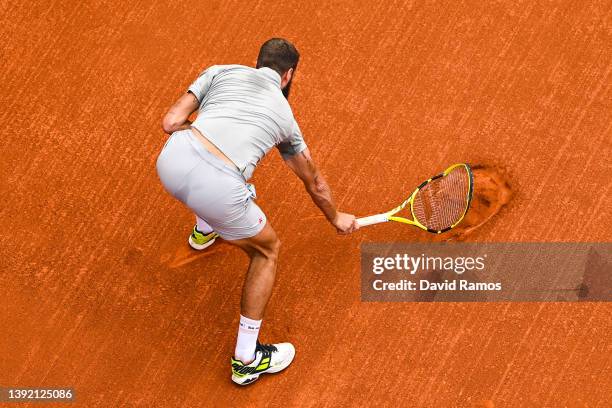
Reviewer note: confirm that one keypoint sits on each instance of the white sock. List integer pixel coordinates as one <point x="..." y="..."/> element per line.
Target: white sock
<point x="247" y="339"/>
<point x="203" y="227"/>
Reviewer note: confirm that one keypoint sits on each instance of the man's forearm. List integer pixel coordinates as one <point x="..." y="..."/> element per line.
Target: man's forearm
<point x="170" y="128"/>
<point x="321" y="195"/>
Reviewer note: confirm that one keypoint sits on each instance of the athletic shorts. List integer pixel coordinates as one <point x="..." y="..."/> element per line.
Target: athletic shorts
<point x="214" y="190"/>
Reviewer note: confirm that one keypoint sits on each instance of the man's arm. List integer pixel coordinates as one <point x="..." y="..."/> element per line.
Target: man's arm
<point x="177" y="116"/>
<point x="303" y="166"/>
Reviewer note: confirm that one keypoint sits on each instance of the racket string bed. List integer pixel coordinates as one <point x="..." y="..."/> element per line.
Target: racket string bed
<point x="442" y="201"/>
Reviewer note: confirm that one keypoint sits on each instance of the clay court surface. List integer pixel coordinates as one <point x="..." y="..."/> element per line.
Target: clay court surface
<point x="100" y="292"/>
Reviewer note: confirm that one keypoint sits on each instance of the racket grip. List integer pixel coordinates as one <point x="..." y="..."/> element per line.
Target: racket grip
<point x="372" y="219"/>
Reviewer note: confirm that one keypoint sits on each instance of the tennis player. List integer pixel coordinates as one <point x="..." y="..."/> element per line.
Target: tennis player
<point x="242" y="113"/>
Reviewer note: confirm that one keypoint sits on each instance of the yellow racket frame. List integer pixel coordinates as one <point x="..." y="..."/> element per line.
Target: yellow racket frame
<point x="390" y="215"/>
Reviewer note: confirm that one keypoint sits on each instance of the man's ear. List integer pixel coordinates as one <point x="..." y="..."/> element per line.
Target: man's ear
<point x="286" y="77"/>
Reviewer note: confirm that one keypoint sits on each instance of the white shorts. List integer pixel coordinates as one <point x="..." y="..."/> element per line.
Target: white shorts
<point x="215" y="191"/>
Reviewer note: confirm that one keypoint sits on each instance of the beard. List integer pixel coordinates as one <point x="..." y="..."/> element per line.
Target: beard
<point x="287" y="89"/>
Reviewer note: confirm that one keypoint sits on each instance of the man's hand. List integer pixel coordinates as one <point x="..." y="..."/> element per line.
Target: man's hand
<point x="177" y="117"/>
<point x="345" y="223"/>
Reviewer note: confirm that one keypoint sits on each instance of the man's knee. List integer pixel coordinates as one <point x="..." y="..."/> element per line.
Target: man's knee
<point x="271" y="251"/>
<point x="265" y="244"/>
<point x="276" y="246"/>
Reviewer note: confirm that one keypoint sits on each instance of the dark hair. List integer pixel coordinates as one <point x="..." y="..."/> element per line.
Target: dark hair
<point x="278" y="54"/>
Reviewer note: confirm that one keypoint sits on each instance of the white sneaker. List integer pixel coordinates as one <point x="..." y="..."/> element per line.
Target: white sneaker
<point x="198" y="240"/>
<point x="269" y="358"/>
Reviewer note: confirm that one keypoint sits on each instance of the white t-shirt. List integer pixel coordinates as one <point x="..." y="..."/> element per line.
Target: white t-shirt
<point x="244" y="113"/>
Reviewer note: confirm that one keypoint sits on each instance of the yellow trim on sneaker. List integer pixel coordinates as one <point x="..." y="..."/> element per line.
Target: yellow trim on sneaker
<point x="201" y="238"/>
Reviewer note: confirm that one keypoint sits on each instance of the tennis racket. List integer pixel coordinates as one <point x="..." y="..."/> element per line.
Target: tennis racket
<point x="437" y="205"/>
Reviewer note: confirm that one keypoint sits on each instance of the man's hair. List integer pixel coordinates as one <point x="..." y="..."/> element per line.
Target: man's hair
<point x="279" y="55"/>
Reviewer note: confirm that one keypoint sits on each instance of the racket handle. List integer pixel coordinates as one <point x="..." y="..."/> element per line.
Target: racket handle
<point x="372" y="219"/>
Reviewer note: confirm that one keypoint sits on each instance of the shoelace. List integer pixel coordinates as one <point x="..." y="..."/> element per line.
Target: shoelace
<point x="266" y="349"/>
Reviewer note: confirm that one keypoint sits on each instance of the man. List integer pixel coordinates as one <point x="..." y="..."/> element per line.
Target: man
<point x="242" y="113"/>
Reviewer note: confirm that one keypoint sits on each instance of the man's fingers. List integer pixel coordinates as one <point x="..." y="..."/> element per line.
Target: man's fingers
<point x="347" y="229"/>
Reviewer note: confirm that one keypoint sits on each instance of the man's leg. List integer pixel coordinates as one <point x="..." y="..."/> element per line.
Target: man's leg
<point x="252" y="358"/>
<point x="263" y="250"/>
